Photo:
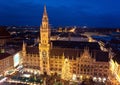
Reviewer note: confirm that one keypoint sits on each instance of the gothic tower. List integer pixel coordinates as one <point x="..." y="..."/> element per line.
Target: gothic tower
<point x="23" y="54"/>
<point x="44" y="45"/>
<point x="24" y="49"/>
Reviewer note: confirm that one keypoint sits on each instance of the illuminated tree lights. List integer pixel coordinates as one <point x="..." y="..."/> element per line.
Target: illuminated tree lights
<point x="66" y="74"/>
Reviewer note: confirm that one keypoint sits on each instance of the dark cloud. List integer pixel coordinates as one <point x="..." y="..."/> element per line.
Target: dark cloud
<point x="99" y="13"/>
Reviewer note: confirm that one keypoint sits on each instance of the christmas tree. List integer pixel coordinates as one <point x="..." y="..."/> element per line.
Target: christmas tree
<point x="66" y="74"/>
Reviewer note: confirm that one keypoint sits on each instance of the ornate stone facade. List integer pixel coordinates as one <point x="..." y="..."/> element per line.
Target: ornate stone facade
<point x="85" y="58"/>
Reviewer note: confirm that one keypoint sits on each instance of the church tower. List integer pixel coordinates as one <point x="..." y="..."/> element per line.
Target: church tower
<point x="44" y="45"/>
<point x="24" y="49"/>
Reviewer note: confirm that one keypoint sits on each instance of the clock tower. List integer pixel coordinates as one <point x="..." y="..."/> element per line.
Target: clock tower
<point x="44" y="46"/>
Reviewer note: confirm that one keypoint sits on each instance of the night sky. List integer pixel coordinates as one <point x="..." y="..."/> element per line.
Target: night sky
<point x="92" y="13"/>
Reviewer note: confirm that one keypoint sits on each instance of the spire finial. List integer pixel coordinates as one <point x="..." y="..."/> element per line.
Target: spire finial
<point x="23" y="46"/>
<point x="45" y="16"/>
<point x="45" y="11"/>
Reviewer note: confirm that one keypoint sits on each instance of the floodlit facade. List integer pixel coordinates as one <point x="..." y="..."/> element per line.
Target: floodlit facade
<point x="6" y="59"/>
<point x="6" y="63"/>
<point x="83" y="59"/>
<point x="10" y="57"/>
<point x="114" y="76"/>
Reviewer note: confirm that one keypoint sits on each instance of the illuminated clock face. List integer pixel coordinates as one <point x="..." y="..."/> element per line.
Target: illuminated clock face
<point x="44" y="53"/>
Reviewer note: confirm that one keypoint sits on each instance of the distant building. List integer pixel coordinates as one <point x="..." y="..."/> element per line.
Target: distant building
<point x="4" y="37"/>
<point x="9" y="57"/>
<point x="60" y="29"/>
<point x="117" y="30"/>
<point x="72" y="37"/>
<point x="85" y="58"/>
<point x="6" y="62"/>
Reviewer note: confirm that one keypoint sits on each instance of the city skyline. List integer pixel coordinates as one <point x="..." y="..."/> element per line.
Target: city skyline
<point x="61" y="13"/>
<point x="65" y="57"/>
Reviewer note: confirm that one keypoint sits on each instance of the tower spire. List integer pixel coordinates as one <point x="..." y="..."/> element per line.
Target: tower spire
<point x="23" y="46"/>
<point x="45" y="16"/>
<point x="45" y="11"/>
<point x="44" y="29"/>
<point x="24" y="49"/>
<point x="44" y="45"/>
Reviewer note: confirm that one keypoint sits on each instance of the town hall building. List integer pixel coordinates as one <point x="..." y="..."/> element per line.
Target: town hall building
<point x="83" y="59"/>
